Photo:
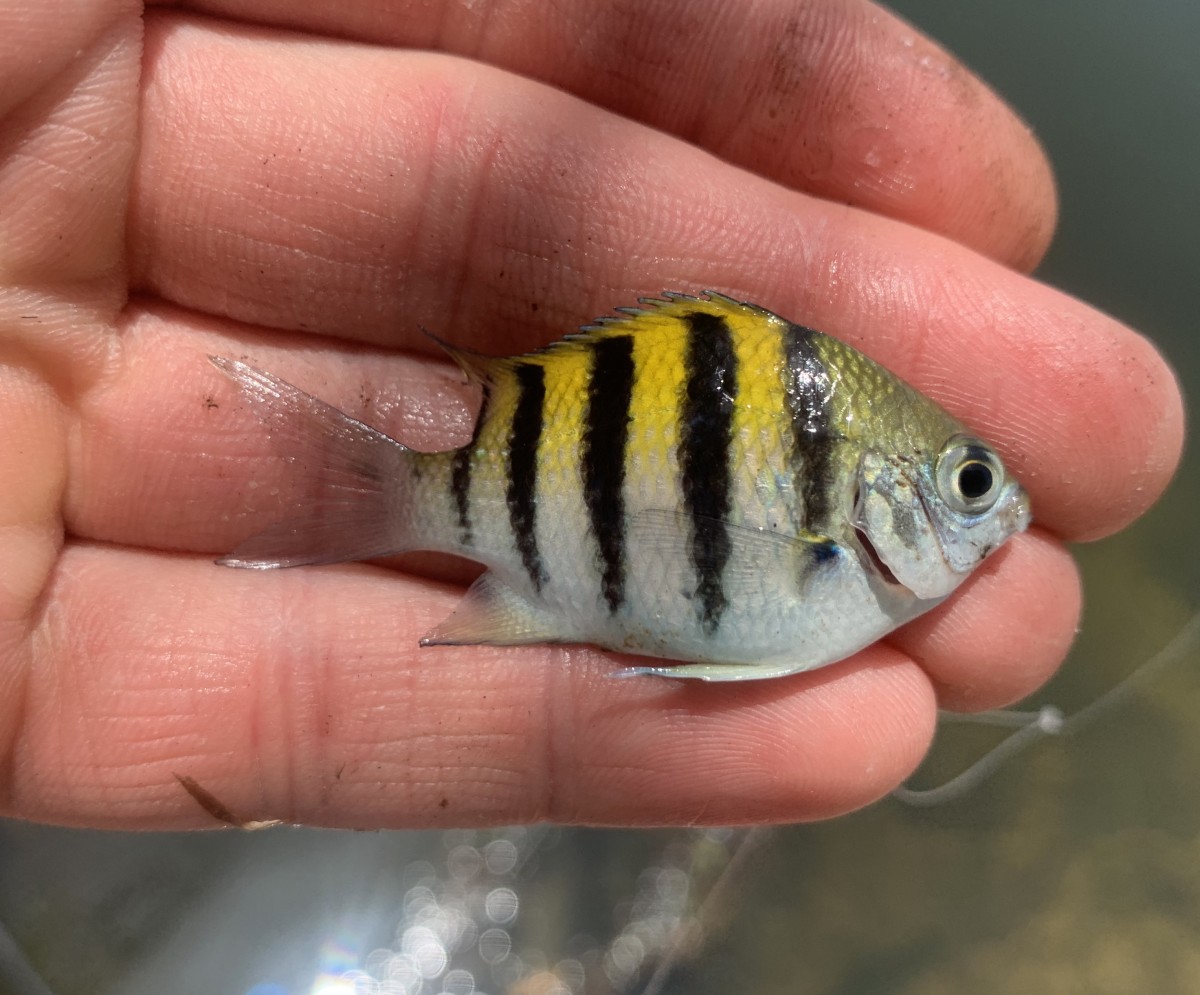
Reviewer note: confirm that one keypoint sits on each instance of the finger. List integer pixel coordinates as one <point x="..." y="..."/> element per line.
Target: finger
<point x="502" y="214"/>
<point x="68" y="75"/>
<point x="164" y="453"/>
<point x="841" y="99"/>
<point x="1006" y="630"/>
<point x="167" y="456"/>
<point x="301" y="695"/>
<point x="67" y="151"/>
<point x="35" y="46"/>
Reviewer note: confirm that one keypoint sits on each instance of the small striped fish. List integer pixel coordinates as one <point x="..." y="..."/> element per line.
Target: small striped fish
<point x="697" y="479"/>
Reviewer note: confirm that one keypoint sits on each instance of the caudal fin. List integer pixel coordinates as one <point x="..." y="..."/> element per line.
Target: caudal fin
<point x="355" y="479"/>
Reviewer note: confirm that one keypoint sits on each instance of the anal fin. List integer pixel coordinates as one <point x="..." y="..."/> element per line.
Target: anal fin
<point x="492" y="613"/>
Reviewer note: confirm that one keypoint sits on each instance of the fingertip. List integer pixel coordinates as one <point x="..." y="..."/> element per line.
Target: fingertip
<point x="1006" y="630"/>
<point x="794" y="749"/>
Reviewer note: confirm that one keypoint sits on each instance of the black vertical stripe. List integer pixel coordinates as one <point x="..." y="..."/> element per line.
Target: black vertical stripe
<point x="706" y="435"/>
<point x="605" y="435"/>
<point x="523" y="440"/>
<point x="460" y="474"/>
<point x="808" y="391"/>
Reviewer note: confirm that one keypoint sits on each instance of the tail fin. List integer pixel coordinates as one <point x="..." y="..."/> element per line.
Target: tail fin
<point x="355" y="479"/>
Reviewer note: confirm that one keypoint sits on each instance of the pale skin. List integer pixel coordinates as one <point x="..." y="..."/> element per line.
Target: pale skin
<point x="497" y="171"/>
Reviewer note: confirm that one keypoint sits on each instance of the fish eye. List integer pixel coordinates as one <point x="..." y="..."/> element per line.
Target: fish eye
<point x="969" y="477"/>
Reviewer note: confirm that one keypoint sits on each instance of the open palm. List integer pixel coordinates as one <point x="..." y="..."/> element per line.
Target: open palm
<point x="305" y="185"/>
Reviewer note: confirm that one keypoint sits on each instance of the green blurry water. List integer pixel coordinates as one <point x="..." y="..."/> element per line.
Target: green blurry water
<point x="1076" y="869"/>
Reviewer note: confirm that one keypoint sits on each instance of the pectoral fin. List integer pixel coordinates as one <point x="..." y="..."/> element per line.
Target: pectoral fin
<point x="491" y="613"/>
<point x="796" y="552"/>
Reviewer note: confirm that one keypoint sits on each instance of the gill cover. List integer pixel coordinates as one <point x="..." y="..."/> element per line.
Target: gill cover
<point x="932" y="523"/>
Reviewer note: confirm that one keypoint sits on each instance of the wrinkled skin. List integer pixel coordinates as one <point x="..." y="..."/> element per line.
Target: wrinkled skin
<point x="222" y="184"/>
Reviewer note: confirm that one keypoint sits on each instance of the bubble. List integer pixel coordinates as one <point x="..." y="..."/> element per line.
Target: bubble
<point x="623" y="959"/>
<point x="458" y="982"/>
<point x="494" y="945"/>
<point x="377" y="960"/>
<point x="501" y="905"/>
<point x="672" y="886"/>
<point x="500" y="856"/>
<point x="419" y="900"/>
<point x="464" y="862"/>
<point x="404" y="970"/>
<point x="571" y="973"/>
<point x="350" y="983"/>
<point x="426" y="949"/>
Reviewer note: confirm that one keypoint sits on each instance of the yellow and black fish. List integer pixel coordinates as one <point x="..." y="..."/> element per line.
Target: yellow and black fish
<point x="697" y="479"/>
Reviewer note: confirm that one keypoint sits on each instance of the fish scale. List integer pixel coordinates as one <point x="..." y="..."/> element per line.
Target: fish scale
<point x="697" y="479"/>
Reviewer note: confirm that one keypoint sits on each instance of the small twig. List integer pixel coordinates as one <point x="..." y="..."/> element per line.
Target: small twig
<point x="218" y="810"/>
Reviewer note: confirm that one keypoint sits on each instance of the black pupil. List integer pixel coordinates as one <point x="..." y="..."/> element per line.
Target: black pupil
<point x="974" y="480"/>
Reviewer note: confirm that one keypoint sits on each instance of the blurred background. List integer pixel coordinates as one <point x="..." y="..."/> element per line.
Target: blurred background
<point x="1075" y="869"/>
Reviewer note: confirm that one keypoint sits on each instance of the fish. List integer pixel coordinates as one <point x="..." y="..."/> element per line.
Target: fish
<point x="694" y="479"/>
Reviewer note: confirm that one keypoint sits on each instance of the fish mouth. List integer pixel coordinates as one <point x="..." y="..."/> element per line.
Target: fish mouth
<point x="881" y="568"/>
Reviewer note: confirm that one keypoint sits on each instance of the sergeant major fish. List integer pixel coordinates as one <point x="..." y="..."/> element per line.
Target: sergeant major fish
<point x="697" y="479"/>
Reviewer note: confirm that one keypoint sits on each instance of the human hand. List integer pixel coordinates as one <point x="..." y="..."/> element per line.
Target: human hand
<point x="308" y="203"/>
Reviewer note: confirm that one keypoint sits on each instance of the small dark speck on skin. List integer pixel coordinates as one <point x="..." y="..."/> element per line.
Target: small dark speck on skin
<point x="533" y="306"/>
<point x="444" y="803"/>
<point x="210" y="403"/>
<point x="337" y="774"/>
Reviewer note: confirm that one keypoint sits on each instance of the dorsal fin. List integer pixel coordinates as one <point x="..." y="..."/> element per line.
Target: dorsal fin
<point x="650" y="313"/>
<point x="671" y="306"/>
<point x="477" y="367"/>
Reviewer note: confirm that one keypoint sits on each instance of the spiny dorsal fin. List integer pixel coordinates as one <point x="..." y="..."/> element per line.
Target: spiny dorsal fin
<point x="477" y="367"/>
<point x="652" y="313"/>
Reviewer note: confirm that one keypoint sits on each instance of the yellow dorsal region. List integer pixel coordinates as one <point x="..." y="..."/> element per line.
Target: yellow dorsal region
<point x="659" y="330"/>
<point x="651" y="318"/>
<point x="567" y="376"/>
<point x="659" y="357"/>
<point x="664" y="316"/>
<point x="761" y="424"/>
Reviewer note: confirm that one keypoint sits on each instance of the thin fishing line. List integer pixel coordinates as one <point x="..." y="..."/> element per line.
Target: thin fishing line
<point x="1043" y="723"/>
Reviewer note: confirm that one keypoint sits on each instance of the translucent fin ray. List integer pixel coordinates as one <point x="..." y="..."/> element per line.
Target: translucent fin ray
<point x="492" y="613"/>
<point x="355" y="479"/>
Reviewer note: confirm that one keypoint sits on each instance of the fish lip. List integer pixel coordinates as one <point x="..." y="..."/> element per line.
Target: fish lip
<point x="1023" y="514"/>
<point x="1016" y="509"/>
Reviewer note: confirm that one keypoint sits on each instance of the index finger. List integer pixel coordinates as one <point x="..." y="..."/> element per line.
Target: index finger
<point x="839" y="99"/>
